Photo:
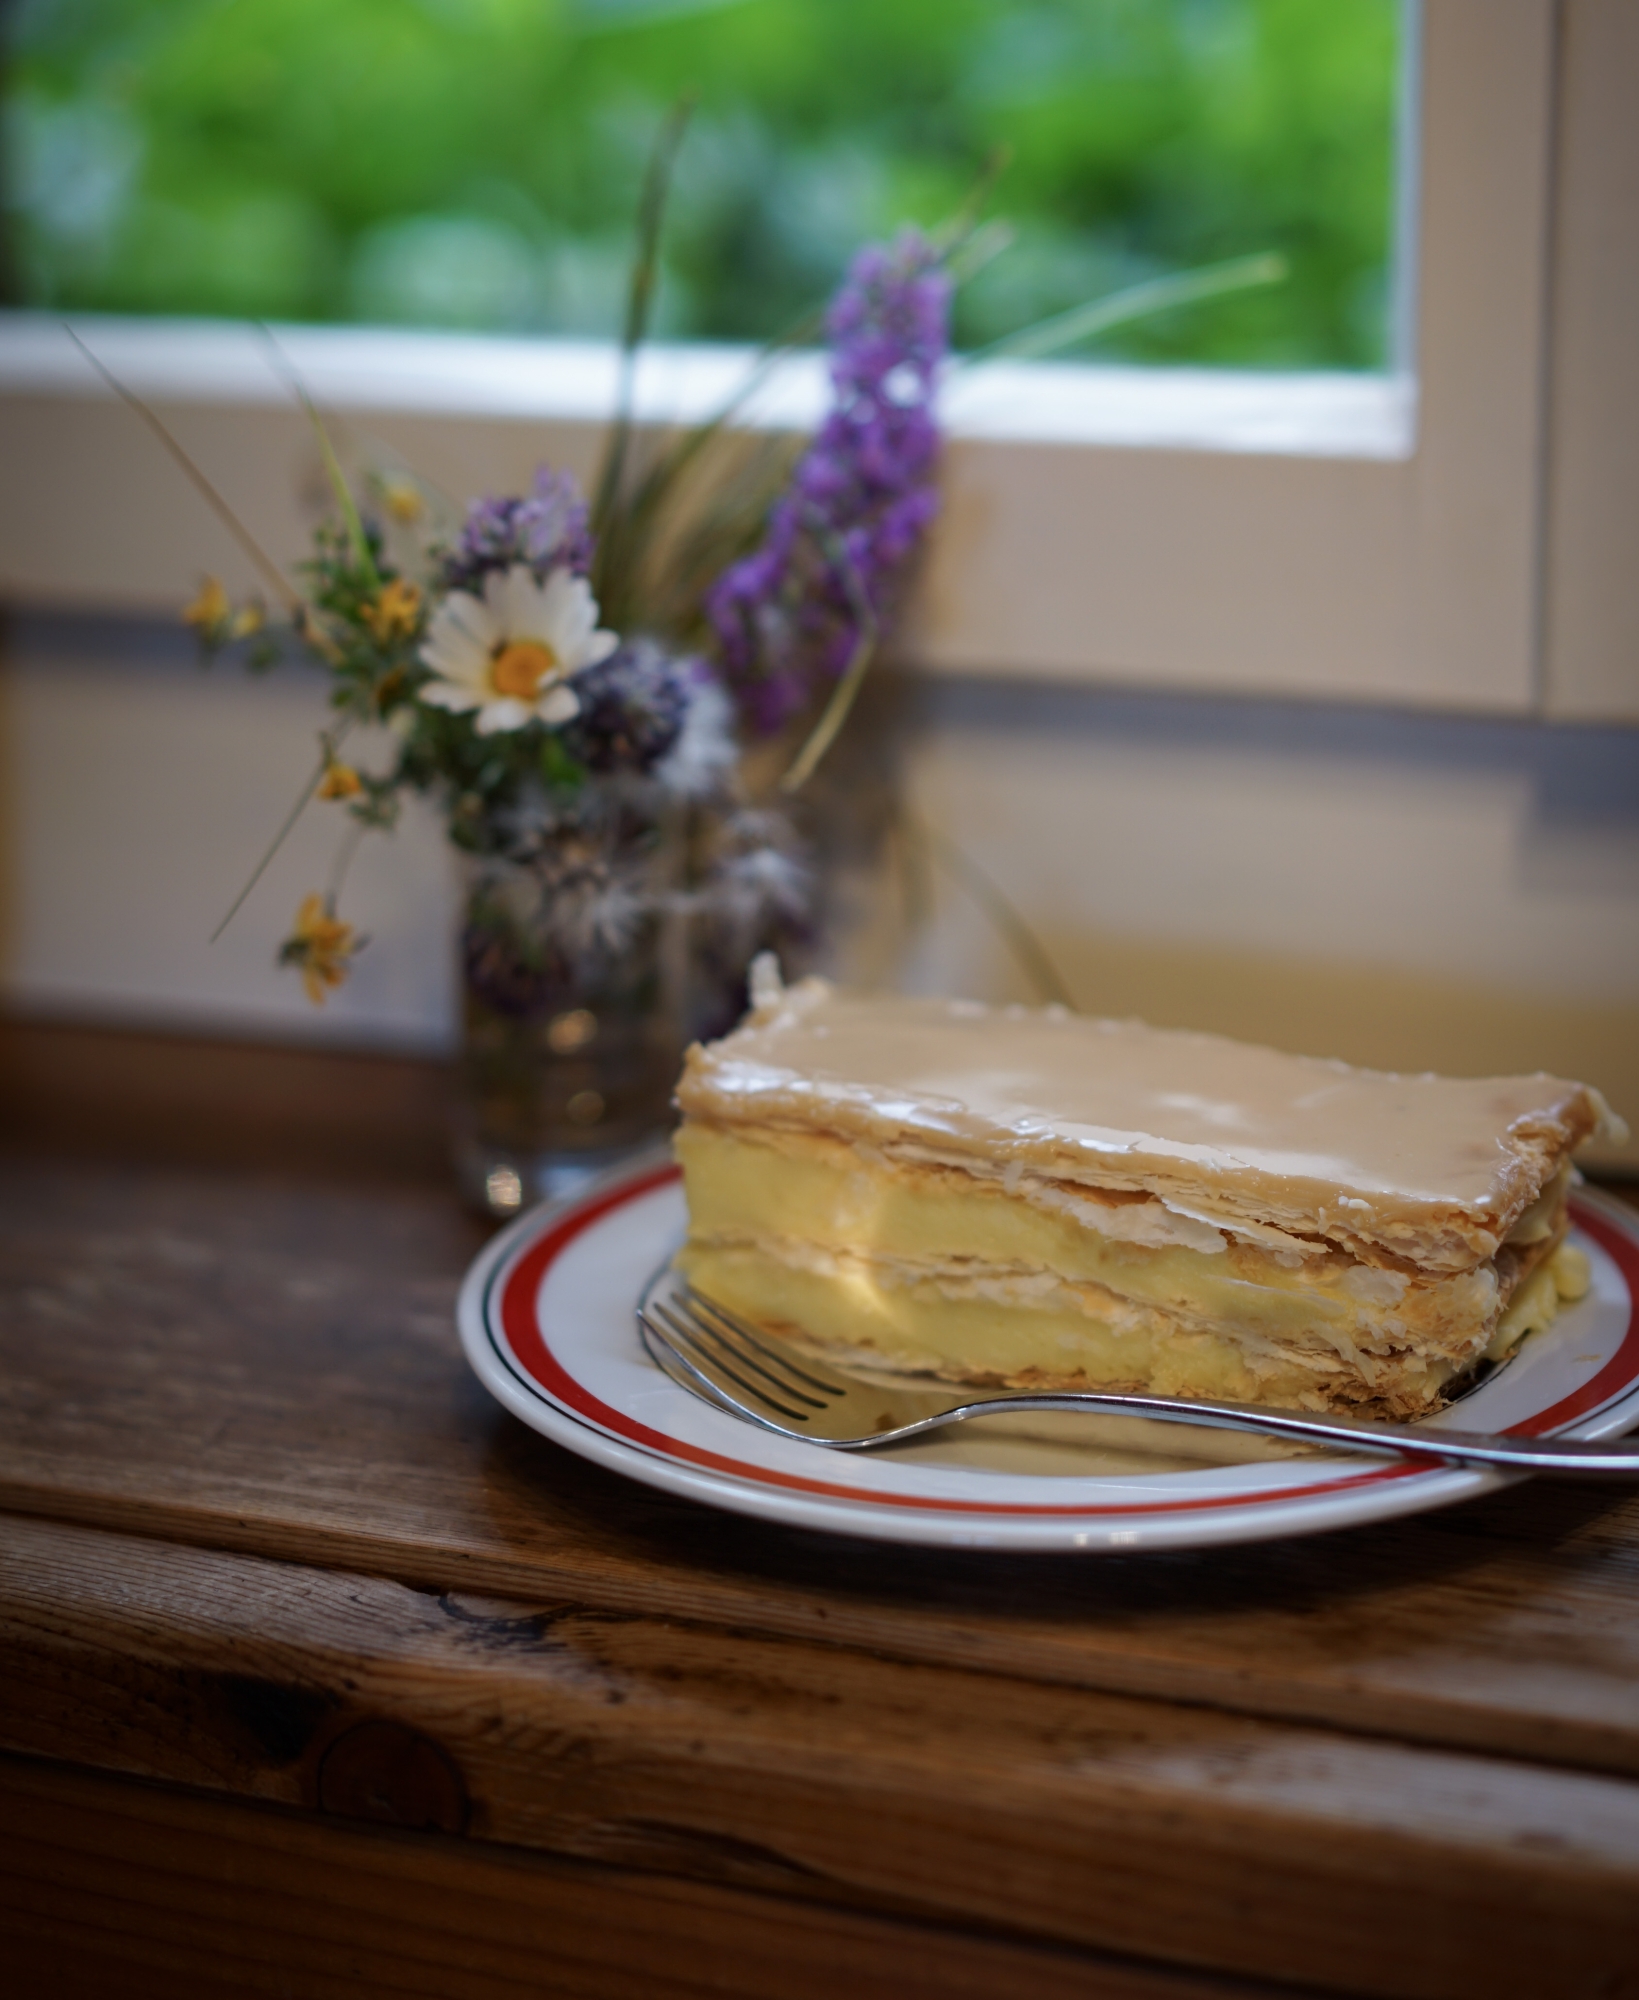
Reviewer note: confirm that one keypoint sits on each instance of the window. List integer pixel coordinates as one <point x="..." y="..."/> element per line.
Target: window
<point x="474" y="164"/>
<point x="1401" y="536"/>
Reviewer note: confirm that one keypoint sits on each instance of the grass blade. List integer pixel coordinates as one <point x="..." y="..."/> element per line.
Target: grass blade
<point x="651" y="212"/>
<point x="332" y="464"/>
<point x="276" y="842"/>
<point x="272" y="575"/>
<point x="1155" y="295"/>
<point x="835" y="712"/>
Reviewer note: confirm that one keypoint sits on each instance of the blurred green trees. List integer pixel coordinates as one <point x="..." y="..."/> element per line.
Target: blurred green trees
<point x="474" y="163"/>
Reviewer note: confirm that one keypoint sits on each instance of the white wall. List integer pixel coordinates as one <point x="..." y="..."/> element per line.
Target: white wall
<point x="1500" y="852"/>
<point x="1405" y="891"/>
<point x="1420" y="891"/>
<point x="139" y="792"/>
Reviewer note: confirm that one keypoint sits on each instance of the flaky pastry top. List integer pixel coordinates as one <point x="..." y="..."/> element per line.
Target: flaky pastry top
<point x="1428" y="1170"/>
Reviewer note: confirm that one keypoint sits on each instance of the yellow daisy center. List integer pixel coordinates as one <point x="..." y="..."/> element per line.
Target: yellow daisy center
<point x="519" y="667"/>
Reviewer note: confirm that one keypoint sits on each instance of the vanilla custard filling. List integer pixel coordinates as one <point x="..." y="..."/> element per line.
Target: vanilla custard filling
<point x="919" y="1266"/>
<point x="1028" y="1197"/>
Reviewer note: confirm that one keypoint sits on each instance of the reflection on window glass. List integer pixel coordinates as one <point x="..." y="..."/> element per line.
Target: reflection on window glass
<point x="475" y="163"/>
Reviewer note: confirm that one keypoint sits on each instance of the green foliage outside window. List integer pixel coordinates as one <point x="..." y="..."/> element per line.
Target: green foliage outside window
<point x="475" y="163"/>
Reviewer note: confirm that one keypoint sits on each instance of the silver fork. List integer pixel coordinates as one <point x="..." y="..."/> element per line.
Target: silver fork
<point x="720" y="1357"/>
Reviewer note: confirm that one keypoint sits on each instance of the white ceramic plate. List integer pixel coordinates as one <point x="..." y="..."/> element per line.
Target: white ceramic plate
<point x="548" y="1324"/>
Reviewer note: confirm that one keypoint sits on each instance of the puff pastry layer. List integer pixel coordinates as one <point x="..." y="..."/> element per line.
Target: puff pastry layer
<point x="1028" y="1197"/>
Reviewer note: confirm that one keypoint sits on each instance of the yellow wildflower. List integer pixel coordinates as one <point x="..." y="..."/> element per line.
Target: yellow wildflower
<point x="395" y="611"/>
<point x="340" y="781"/>
<point x="210" y="612"/>
<point x="322" y="946"/>
<point x="213" y="617"/>
<point x="403" y="501"/>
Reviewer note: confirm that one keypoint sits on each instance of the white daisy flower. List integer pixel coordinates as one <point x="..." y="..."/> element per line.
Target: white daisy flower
<point x="509" y="653"/>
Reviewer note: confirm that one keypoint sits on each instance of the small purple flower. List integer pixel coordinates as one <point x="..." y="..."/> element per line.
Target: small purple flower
<point x="861" y="499"/>
<point x="632" y="709"/>
<point x="547" y="530"/>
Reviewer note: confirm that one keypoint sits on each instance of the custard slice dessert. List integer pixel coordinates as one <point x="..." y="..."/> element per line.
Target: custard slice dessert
<point x="1032" y="1198"/>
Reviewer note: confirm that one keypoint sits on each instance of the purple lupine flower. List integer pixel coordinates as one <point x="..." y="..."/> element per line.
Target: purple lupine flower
<point x="547" y="530"/>
<point x="862" y="496"/>
<point x="632" y="709"/>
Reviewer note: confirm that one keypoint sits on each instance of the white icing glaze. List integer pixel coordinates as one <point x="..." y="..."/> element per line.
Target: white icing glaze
<point x="1222" y="1131"/>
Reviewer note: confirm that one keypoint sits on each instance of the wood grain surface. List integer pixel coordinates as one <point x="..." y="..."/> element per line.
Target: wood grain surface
<point x="269" y="1540"/>
<point x="817" y="1773"/>
<point x="117" y="1889"/>
<point x="270" y="1365"/>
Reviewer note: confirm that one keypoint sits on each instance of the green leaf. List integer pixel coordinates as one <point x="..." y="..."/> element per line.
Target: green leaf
<point x="558" y="768"/>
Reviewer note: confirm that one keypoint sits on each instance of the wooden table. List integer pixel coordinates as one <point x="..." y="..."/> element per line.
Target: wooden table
<point x="321" y="1675"/>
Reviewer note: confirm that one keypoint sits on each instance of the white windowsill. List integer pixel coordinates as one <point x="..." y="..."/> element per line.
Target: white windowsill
<point x="1329" y="415"/>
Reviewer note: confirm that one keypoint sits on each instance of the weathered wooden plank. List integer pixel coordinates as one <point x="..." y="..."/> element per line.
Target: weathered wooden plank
<point x="117" y="1094"/>
<point x="267" y="1362"/>
<point x="1080" y="1818"/>
<point x="111" y="1887"/>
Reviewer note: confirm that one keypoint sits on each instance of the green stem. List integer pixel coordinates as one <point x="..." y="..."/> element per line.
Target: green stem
<point x="344" y="860"/>
<point x="639" y="304"/>
<point x="270" y="570"/>
<point x="953" y="235"/>
<point x="980" y="247"/>
<point x="672" y="463"/>
<point x="1155" y="295"/>
<point x="835" y="712"/>
<point x="328" y="745"/>
<point x="332" y="464"/>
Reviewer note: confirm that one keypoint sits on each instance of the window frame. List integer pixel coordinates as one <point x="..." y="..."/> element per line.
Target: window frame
<point x="1380" y="539"/>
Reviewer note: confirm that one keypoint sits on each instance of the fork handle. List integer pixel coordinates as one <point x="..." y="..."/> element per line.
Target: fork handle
<point x="1518" y="1454"/>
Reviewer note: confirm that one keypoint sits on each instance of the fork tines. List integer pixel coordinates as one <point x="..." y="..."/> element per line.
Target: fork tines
<point x="720" y="1346"/>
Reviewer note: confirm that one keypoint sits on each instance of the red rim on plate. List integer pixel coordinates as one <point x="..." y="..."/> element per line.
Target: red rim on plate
<point x="513" y="1321"/>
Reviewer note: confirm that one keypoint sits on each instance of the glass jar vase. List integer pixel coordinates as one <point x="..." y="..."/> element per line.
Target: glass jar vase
<point x="573" y="1027"/>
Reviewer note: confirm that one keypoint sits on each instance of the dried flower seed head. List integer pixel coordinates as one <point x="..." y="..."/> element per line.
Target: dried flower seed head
<point x="707" y="750"/>
<point x="632" y="709"/>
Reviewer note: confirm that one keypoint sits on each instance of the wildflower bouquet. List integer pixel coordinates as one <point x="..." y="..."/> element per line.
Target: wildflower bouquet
<point x="612" y="704"/>
<point x="614" y="701"/>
